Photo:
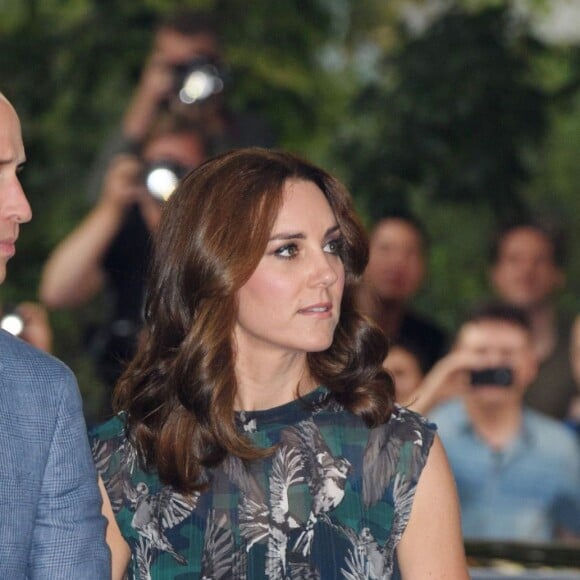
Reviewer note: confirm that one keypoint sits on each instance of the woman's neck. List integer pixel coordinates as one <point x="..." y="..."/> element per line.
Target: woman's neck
<point x="265" y="383"/>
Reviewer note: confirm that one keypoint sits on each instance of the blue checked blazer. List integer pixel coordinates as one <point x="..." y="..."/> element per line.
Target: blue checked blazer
<point x="50" y="509"/>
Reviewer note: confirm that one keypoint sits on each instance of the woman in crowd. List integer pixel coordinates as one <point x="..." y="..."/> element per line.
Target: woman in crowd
<point x="256" y="434"/>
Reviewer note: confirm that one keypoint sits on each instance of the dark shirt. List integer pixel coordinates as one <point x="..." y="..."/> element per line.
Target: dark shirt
<point x="422" y="337"/>
<point x="125" y="265"/>
<point x="554" y="388"/>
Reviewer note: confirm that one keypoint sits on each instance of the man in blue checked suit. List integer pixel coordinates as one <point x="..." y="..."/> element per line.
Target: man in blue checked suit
<point x="50" y="521"/>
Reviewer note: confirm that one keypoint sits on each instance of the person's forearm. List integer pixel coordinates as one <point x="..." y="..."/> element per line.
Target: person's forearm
<point x="448" y="378"/>
<point x="423" y="401"/>
<point x="73" y="273"/>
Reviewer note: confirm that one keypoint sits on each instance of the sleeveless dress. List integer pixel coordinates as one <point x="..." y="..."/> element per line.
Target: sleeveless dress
<point x="331" y="502"/>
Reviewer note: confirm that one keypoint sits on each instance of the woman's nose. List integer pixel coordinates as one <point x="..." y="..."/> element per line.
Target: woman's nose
<point x="324" y="270"/>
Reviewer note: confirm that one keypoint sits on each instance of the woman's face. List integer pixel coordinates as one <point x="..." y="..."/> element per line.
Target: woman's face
<point x="291" y="303"/>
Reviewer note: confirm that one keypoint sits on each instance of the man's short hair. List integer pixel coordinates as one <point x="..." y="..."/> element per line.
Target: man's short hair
<point x="553" y="234"/>
<point x="409" y="218"/>
<point x="415" y="349"/>
<point x="190" y="22"/>
<point x="169" y="123"/>
<point x="497" y="311"/>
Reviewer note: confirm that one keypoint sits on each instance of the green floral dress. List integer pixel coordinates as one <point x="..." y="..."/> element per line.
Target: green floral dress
<point x="331" y="502"/>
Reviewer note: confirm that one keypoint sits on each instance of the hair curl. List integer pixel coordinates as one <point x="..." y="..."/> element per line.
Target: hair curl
<point x="178" y="392"/>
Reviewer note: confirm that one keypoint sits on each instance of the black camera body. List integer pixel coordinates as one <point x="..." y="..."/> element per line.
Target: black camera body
<point x="494" y="376"/>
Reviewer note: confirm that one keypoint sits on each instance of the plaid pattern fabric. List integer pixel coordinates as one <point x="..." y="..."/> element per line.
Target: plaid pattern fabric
<point x="50" y="507"/>
<point x="332" y="501"/>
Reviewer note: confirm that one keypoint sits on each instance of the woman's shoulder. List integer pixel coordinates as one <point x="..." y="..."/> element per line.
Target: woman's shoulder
<point x="403" y="441"/>
<point x="396" y="453"/>
<point x="108" y="440"/>
<point x="111" y="429"/>
<point x="110" y="446"/>
<point x="408" y="424"/>
<point x="116" y="460"/>
<point x="403" y="423"/>
<point x="409" y="436"/>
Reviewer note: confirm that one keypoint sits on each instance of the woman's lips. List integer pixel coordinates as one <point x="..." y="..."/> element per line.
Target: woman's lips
<point x="322" y="310"/>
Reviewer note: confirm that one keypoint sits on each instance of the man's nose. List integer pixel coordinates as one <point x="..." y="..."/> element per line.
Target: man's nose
<point x="17" y="207"/>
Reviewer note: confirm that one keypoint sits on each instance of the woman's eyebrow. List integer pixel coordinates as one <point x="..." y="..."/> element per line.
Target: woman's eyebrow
<point x="288" y="236"/>
<point x="301" y="235"/>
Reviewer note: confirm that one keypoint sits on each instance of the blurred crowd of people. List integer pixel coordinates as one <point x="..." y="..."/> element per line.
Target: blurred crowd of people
<point x="504" y="391"/>
<point x="505" y="394"/>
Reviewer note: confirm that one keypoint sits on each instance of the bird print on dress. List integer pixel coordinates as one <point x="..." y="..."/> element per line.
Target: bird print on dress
<point x="120" y="481"/>
<point x="301" y="457"/>
<point x="220" y="559"/>
<point x="366" y="560"/>
<point x="331" y="501"/>
<point x="158" y="512"/>
<point x="382" y="454"/>
<point x="325" y="475"/>
<point x="270" y="521"/>
<point x="153" y="513"/>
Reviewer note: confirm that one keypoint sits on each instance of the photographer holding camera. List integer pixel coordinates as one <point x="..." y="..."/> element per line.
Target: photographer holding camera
<point x="517" y="470"/>
<point x="185" y="75"/>
<point x="110" y="247"/>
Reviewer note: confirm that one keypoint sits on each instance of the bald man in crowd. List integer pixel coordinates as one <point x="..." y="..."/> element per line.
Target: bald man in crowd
<point x="50" y="520"/>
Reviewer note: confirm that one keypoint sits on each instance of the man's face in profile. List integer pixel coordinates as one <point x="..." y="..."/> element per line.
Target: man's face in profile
<point x="14" y="208"/>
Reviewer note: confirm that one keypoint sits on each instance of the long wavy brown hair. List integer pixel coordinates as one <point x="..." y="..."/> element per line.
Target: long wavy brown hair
<point x="178" y="392"/>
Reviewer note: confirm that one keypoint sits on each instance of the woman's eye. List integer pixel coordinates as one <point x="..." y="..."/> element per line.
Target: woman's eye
<point x="288" y="251"/>
<point x="334" y="246"/>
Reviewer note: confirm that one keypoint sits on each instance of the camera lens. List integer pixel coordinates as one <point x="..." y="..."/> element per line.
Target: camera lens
<point x="12" y="323"/>
<point x="500" y="376"/>
<point x="162" y="178"/>
<point x="198" y="81"/>
<point x="503" y="376"/>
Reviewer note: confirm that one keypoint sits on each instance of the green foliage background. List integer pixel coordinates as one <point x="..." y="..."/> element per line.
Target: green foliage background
<point x="467" y="123"/>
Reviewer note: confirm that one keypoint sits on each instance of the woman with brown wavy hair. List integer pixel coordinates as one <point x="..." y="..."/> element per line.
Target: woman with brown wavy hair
<point x="256" y="434"/>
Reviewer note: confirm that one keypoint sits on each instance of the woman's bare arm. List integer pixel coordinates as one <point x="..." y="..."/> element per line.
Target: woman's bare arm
<point x="120" y="552"/>
<point x="431" y="546"/>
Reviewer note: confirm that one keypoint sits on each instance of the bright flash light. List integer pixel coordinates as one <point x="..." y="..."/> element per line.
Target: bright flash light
<point x="13" y="324"/>
<point x="161" y="182"/>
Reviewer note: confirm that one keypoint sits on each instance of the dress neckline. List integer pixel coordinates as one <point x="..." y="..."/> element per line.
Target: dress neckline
<point x="289" y="413"/>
